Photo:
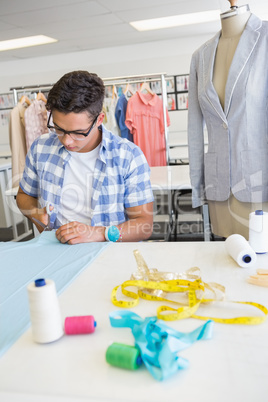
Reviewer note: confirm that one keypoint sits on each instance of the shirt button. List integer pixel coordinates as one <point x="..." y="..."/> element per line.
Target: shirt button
<point x="224" y="125"/>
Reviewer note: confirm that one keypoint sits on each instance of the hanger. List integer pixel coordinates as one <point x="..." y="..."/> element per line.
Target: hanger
<point x="41" y="96"/>
<point x="25" y="99"/>
<point x="145" y="86"/>
<point x="114" y="92"/>
<point x="128" y="89"/>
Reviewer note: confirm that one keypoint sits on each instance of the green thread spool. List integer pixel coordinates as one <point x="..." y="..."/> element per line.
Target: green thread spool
<point x="124" y="356"/>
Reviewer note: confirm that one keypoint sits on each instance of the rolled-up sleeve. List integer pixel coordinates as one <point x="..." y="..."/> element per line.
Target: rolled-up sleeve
<point x="29" y="181"/>
<point x="138" y="190"/>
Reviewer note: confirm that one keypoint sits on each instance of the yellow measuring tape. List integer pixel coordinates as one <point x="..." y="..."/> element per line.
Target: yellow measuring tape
<point x="193" y="290"/>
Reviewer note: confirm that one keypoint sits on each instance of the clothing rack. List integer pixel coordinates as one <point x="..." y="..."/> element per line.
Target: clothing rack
<point x="28" y="227"/>
<point x="32" y="88"/>
<point x="134" y="79"/>
<point x="122" y="80"/>
<point x="130" y="82"/>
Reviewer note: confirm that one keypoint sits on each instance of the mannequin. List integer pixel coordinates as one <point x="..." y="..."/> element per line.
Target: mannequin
<point x="233" y="23"/>
<point x="228" y="94"/>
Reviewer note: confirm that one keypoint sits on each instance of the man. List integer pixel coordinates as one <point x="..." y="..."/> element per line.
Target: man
<point x="97" y="185"/>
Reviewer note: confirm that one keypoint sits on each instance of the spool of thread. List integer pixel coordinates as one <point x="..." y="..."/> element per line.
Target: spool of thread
<point x="79" y="325"/>
<point x="239" y="249"/>
<point x="258" y="231"/>
<point x="44" y="311"/>
<point x="124" y="356"/>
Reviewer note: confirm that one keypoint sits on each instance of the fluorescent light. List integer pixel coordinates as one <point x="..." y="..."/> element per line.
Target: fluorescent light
<point x="176" y="20"/>
<point x="25" y="42"/>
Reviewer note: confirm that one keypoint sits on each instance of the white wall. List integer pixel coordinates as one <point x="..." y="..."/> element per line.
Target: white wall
<point x="170" y="56"/>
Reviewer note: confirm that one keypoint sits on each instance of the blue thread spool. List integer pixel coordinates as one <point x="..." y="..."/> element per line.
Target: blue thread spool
<point x="123" y="356"/>
<point x="246" y="258"/>
<point x="39" y="282"/>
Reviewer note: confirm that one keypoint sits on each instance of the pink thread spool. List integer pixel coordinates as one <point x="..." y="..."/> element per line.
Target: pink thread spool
<point x="84" y="324"/>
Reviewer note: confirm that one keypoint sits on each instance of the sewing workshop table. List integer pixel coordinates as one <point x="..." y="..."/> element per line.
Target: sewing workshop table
<point x="176" y="178"/>
<point x="232" y="366"/>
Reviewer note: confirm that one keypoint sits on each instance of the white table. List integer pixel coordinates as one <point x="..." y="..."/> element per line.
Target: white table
<point x="178" y="153"/>
<point x="175" y="178"/>
<point x="5" y="154"/>
<point x="232" y="366"/>
<point x="12" y="192"/>
<point x="178" y="146"/>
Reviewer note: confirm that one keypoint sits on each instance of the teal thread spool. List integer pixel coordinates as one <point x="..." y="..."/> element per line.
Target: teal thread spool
<point x="124" y="356"/>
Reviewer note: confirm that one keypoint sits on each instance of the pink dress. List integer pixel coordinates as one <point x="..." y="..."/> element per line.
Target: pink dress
<point x="145" y="120"/>
<point x="35" y="121"/>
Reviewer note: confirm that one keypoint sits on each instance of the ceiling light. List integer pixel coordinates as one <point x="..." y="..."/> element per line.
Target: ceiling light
<point x="176" y="20"/>
<point x="25" y="42"/>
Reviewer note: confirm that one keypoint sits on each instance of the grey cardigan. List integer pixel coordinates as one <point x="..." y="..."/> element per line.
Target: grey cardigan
<point x="237" y="155"/>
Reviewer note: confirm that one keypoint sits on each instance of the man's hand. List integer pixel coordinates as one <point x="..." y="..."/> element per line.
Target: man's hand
<point x="28" y="206"/>
<point x="41" y="215"/>
<point x="77" y="232"/>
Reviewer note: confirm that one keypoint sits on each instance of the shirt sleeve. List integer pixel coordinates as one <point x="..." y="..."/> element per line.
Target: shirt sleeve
<point x="138" y="190"/>
<point x="29" y="181"/>
<point x="118" y="113"/>
<point x="162" y="126"/>
<point x="130" y="121"/>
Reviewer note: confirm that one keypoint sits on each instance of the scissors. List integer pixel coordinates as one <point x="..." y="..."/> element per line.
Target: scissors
<point x="47" y="227"/>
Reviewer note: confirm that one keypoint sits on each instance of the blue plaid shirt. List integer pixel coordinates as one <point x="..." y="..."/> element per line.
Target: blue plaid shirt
<point x="121" y="178"/>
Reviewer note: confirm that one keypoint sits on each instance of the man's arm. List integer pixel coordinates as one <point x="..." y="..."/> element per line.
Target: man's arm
<point x="28" y="206"/>
<point x="140" y="223"/>
<point x="138" y="227"/>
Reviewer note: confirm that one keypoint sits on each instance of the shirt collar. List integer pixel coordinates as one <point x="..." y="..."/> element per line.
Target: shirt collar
<point x="62" y="151"/>
<point x="147" y="99"/>
<point x="104" y="144"/>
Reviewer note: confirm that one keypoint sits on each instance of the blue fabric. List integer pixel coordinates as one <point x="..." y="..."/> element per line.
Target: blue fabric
<point x="121" y="177"/>
<point x="22" y="263"/>
<point x="159" y="344"/>
<point x="120" y="116"/>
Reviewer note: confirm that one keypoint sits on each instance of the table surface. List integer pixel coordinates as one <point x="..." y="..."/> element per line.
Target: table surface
<point x="174" y="177"/>
<point x="5" y="154"/>
<point x="5" y="163"/>
<point x="232" y="366"/>
<point x="12" y="192"/>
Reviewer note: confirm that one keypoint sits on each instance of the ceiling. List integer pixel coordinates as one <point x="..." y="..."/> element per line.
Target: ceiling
<point x="85" y="24"/>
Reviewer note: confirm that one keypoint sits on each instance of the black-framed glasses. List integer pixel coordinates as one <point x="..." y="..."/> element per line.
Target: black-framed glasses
<point x="75" y="135"/>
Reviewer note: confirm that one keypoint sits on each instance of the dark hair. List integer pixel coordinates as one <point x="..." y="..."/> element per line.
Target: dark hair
<point x="77" y="92"/>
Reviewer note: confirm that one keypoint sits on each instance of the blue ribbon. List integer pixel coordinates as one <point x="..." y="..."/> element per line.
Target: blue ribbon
<point x="159" y="344"/>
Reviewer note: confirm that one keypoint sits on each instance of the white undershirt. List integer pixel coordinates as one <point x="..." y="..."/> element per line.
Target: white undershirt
<point x="77" y="188"/>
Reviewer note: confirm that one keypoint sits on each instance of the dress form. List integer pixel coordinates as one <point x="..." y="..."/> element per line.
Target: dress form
<point x="230" y="216"/>
<point x="233" y="24"/>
